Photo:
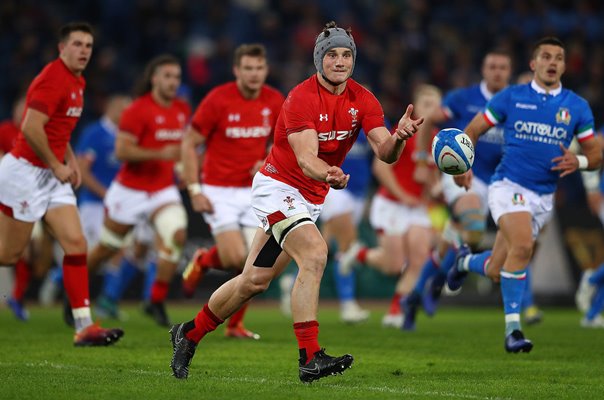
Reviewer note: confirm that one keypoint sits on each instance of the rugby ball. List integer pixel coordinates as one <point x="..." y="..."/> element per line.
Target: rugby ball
<point x="453" y="151"/>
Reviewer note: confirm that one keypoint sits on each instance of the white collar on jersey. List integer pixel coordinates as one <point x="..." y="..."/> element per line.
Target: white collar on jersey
<point x="540" y="90"/>
<point x="109" y="125"/>
<point x="485" y="91"/>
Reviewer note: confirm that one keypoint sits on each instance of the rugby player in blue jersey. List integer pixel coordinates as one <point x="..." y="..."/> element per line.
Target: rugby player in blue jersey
<point x="540" y="120"/>
<point x="468" y="208"/>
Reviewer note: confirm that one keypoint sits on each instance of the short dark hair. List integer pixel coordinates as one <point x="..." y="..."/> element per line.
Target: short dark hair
<point x="498" y="52"/>
<point x="251" y="50"/>
<point x="547" y="40"/>
<point x="144" y="86"/>
<point x="79" y="26"/>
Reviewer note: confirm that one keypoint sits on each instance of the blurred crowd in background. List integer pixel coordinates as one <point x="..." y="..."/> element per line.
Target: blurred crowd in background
<point x="401" y="43"/>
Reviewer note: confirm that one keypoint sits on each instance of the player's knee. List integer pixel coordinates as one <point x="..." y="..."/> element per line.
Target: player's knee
<point x="256" y="283"/>
<point x="7" y="257"/>
<point x="522" y="251"/>
<point x="315" y="258"/>
<point x="75" y="244"/>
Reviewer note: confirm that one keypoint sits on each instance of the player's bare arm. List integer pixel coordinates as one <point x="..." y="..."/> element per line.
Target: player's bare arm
<point x="305" y="145"/>
<point x="569" y="162"/>
<point x="72" y="162"/>
<point x="387" y="147"/>
<point x="475" y="128"/>
<point x="33" y="130"/>
<point x="190" y="162"/>
<point x="88" y="179"/>
<point x="127" y="149"/>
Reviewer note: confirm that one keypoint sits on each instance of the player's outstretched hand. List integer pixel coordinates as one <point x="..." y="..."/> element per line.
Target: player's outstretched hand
<point x="407" y="126"/>
<point x="336" y="178"/>
<point x="464" y="180"/>
<point x="567" y="163"/>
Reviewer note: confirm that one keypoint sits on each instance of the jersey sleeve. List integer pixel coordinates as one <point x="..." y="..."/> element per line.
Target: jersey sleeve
<point x="374" y="116"/>
<point x="585" y="124"/>
<point x="297" y="113"/>
<point x="46" y="96"/>
<point x="496" y="109"/>
<point x="206" y="115"/>
<point x="130" y="122"/>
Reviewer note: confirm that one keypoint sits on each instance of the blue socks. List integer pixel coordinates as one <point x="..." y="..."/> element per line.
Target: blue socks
<point x="429" y="270"/>
<point x="512" y="290"/>
<point x="345" y="284"/>
<point x="477" y="263"/>
<point x="116" y="281"/>
<point x="527" y="297"/>
<point x="597" y="278"/>
<point x="149" y="279"/>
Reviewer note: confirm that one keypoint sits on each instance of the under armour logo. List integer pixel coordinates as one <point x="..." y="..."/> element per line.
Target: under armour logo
<point x="322" y="117"/>
<point x="234" y="117"/>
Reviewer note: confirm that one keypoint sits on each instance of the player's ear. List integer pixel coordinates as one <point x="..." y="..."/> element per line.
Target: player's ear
<point x="61" y="46"/>
<point x="532" y="65"/>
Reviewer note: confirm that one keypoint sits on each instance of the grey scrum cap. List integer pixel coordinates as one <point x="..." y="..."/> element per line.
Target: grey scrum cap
<point x="329" y="39"/>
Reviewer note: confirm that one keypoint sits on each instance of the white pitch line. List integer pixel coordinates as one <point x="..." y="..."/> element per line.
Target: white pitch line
<point x="379" y="389"/>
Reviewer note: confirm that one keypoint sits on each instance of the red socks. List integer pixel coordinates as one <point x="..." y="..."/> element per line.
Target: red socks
<point x="75" y="280"/>
<point x="204" y="322"/>
<point x="237" y="318"/>
<point x="307" y="334"/>
<point x="210" y="259"/>
<point x="362" y="255"/>
<point x="395" y="305"/>
<point x="22" y="276"/>
<point x="159" y="291"/>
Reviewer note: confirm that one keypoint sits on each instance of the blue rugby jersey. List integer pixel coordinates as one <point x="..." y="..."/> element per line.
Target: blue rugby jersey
<point x="460" y="106"/>
<point x="535" y="124"/>
<point x="97" y="142"/>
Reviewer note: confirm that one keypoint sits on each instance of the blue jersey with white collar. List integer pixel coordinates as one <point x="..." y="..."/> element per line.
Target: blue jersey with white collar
<point x="460" y="106"/>
<point x="535" y="124"/>
<point x="97" y="143"/>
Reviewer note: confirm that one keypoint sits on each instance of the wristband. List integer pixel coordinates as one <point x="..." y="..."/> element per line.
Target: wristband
<point x="583" y="162"/>
<point x="194" y="188"/>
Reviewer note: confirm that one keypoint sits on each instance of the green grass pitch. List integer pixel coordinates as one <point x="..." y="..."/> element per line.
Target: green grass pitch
<point x="456" y="355"/>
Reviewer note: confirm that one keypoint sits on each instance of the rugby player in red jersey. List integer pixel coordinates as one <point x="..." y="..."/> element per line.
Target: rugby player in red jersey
<point x="235" y="122"/>
<point x="148" y="143"/>
<point x="38" y="176"/>
<point x="317" y="125"/>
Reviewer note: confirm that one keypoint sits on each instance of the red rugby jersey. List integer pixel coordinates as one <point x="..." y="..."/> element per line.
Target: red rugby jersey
<point x="8" y="135"/>
<point x="237" y="131"/>
<point x="403" y="170"/>
<point x="154" y="127"/>
<point x="337" y="120"/>
<point x="58" y="93"/>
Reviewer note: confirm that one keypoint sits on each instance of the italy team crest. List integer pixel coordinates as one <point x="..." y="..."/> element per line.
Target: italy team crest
<point x="563" y="116"/>
<point x="518" y="199"/>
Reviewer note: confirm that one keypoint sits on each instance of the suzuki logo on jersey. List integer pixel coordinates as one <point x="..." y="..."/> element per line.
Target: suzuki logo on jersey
<point x="563" y="116"/>
<point x="250" y="132"/>
<point x="234" y="117"/>
<point x="323" y="117"/>
<point x="537" y="128"/>
<point x="334" y="135"/>
<point x="74" y="112"/>
<point x="168" y="134"/>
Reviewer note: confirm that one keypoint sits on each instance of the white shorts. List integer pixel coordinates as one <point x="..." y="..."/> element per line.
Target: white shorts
<point x="270" y="196"/>
<point x="30" y="191"/>
<point x="232" y="208"/>
<point x="131" y="207"/>
<point x="507" y="197"/>
<point x="452" y="192"/>
<point x="91" y="216"/>
<point x="393" y="218"/>
<point x="340" y="202"/>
